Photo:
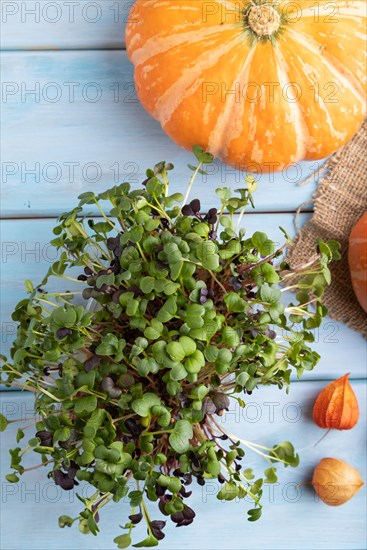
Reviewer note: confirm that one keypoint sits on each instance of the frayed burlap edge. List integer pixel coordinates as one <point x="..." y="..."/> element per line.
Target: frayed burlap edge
<point x="341" y="199"/>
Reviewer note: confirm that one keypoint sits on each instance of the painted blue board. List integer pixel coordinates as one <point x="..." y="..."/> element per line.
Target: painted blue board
<point x="40" y="24"/>
<point x="26" y="254"/>
<point x="109" y="139"/>
<point x="73" y="123"/>
<point x="293" y="517"/>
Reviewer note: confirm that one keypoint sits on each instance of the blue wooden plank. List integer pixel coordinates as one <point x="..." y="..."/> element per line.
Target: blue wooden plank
<point x="27" y="255"/>
<point x="293" y="517"/>
<point x="31" y="24"/>
<point x="82" y="128"/>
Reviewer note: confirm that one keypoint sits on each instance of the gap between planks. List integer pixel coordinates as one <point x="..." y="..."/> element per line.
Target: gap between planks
<point x="263" y="212"/>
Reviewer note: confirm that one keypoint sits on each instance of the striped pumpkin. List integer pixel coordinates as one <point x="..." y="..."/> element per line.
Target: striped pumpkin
<point x="357" y="258"/>
<point x="258" y="83"/>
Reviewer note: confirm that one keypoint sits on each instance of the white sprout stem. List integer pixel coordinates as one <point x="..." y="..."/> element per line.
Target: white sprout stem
<point x="240" y="217"/>
<point x="247" y="491"/>
<point x="191" y="183"/>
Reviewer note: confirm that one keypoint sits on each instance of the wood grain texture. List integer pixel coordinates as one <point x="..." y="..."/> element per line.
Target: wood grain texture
<point x="73" y="123"/>
<point x="27" y="255"/>
<point x="85" y="24"/>
<point x="293" y="517"/>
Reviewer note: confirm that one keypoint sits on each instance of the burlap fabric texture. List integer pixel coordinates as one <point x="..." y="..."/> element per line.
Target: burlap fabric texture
<point x="340" y="200"/>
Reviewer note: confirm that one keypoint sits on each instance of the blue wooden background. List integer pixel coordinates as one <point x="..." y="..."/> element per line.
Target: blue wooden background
<point x="71" y="123"/>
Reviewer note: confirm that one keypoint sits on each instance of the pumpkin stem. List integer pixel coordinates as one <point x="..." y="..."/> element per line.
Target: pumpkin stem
<point x="264" y="20"/>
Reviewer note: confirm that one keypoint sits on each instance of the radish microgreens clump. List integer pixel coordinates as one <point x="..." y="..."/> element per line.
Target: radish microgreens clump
<point x="187" y="315"/>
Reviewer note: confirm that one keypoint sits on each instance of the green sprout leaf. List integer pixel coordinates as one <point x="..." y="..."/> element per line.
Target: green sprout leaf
<point x="181" y="435"/>
<point x="85" y="405"/>
<point x="3" y="423"/>
<point x="122" y="541"/>
<point x="254" y="514"/>
<point x="147" y="543"/>
<point x="153" y="319"/>
<point x="142" y="406"/>
<point x="206" y="252"/>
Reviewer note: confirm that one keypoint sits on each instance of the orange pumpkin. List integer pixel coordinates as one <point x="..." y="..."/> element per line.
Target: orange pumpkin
<point x="357" y="258"/>
<point x="258" y="83"/>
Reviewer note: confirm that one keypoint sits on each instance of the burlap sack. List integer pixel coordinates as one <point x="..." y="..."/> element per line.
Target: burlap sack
<point x="340" y="200"/>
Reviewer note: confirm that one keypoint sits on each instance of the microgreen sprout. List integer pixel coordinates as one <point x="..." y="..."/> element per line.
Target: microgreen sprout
<point x="186" y="311"/>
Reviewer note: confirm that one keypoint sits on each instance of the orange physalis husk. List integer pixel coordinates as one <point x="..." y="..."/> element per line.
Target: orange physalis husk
<point x="337" y="406"/>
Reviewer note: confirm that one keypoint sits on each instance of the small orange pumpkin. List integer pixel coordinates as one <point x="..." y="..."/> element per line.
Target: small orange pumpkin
<point x="357" y="258"/>
<point x="258" y="83"/>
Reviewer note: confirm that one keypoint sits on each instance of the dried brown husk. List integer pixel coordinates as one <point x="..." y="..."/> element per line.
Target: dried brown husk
<point x="335" y="481"/>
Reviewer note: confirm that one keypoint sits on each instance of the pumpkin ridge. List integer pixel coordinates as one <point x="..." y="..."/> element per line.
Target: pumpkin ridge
<point x="313" y="48"/>
<point x="174" y="96"/>
<point x="336" y="64"/>
<point x="350" y="5"/>
<point x="226" y="3"/>
<point x="221" y="136"/>
<point x="158" y="45"/>
<point x="229" y="2"/>
<point x="302" y="130"/>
